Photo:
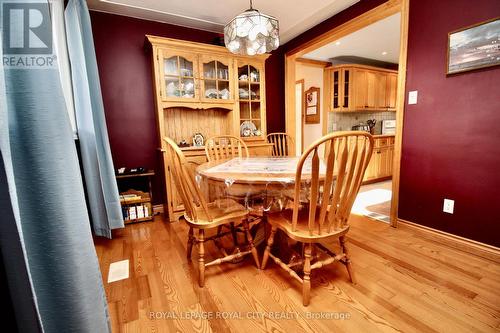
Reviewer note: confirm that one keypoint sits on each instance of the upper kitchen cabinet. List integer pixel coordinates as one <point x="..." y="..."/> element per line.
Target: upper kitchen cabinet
<point x="341" y="89"/>
<point x="361" y="88"/>
<point x="391" y="91"/>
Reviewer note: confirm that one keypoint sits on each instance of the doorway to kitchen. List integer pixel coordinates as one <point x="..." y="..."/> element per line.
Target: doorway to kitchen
<point x="362" y="66"/>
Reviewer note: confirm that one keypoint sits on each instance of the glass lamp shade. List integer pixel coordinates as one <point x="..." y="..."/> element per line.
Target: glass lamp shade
<point x="252" y="33"/>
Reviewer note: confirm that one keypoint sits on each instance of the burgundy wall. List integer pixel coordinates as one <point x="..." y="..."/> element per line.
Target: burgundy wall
<point x="451" y="139"/>
<point x="126" y="82"/>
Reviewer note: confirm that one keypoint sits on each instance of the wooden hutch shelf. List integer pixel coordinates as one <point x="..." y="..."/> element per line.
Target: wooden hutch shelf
<point x="201" y="88"/>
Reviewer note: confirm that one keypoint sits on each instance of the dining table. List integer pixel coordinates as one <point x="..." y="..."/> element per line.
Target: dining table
<point x="266" y="184"/>
<point x="259" y="178"/>
<point x="257" y="173"/>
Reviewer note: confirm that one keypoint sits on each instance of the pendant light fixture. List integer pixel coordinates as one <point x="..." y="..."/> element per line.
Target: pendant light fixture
<point x="252" y="32"/>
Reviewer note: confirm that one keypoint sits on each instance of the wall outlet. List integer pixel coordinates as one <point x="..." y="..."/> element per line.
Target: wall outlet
<point x="412" y="97"/>
<point x="448" y="206"/>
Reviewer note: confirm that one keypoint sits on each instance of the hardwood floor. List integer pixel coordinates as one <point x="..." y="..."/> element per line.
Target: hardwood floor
<point x="374" y="200"/>
<point x="404" y="284"/>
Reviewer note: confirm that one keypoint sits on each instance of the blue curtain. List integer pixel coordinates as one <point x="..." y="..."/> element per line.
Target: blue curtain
<point x="98" y="170"/>
<point x="46" y="242"/>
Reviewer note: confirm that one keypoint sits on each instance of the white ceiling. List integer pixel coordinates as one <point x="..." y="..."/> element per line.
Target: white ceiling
<point x="295" y="16"/>
<point x="369" y="42"/>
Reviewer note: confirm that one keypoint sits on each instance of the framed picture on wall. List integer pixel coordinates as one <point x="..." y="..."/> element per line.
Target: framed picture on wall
<point x="312" y="109"/>
<point x="473" y="47"/>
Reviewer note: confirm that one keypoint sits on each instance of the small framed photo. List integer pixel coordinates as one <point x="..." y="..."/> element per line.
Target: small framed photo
<point x="198" y="140"/>
<point x="312" y="105"/>
<point x="473" y="47"/>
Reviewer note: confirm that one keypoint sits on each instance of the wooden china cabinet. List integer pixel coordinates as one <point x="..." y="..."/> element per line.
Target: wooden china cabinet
<point x="201" y="88"/>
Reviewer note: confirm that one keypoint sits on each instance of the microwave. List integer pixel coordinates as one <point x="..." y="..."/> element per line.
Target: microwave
<point x="388" y="126"/>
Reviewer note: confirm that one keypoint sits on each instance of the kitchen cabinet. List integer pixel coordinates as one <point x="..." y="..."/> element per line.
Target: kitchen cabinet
<point x="361" y="88"/>
<point x="360" y="94"/>
<point x="391" y="91"/>
<point x="380" y="91"/>
<point x="371" y="90"/>
<point x="380" y="166"/>
<point x="340" y="93"/>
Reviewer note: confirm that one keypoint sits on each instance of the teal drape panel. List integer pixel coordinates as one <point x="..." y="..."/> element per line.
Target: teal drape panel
<point x="46" y="242"/>
<point x="12" y="245"/>
<point x="98" y="170"/>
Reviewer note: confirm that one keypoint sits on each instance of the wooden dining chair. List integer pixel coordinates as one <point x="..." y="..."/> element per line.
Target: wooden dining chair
<point x="201" y="215"/>
<point x="331" y="195"/>
<point x="282" y="144"/>
<point x="224" y="147"/>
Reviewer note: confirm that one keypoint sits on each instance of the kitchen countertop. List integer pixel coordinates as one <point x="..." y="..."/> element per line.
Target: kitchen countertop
<point x="382" y="135"/>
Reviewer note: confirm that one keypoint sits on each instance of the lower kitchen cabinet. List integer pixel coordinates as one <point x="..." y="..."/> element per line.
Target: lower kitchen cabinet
<point x="380" y="166"/>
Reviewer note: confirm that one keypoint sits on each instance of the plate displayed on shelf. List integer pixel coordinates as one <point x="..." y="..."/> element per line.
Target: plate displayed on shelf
<point x="243" y="93"/>
<point x="224" y="93"/>
<point x="211" y="93"/>
<point x="247" y="128"/>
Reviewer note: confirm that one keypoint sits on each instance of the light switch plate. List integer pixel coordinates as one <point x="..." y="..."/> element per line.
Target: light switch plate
<point x="448" y="206"/>
<point x="412" y="97"/>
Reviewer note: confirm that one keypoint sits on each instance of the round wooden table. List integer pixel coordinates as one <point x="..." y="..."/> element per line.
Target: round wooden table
<point x="260" y="172"/>
<point x="270" y="178"/>
<point x="273" y="178"/>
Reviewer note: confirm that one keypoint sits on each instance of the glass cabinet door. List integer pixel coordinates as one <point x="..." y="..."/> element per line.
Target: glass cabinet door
<point x="336" y="90"/>
<point x="341" y="90"/>
<point x="179" y="72"/>
<point x="215" y="79"/>
<point x="249" y="95"/>
<point x="346" y="83"/>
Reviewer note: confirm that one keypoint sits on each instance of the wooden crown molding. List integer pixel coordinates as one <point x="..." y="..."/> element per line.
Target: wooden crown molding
<point x="312" y="62"/>
<point x="367" y="67"/>
<point x="198" y="47"/>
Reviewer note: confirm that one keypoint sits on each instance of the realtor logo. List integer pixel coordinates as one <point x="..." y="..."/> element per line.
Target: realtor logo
<point x="27" y="34"/>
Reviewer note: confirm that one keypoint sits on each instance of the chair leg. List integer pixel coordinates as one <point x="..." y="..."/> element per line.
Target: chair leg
<point x="235" y="235"/>
<point x="190" y="242"/>
<point x="306" y="286"/>
<point x="201" y="257"/>
<point x="348" y="263"/>
<point x="270" y="242"/>
<point x="250" y="242"/>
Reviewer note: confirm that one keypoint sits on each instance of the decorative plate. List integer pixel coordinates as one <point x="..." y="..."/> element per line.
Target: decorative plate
<point x="247" y="128"/>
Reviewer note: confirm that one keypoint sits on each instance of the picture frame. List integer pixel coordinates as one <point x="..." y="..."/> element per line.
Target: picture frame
<point x="312" y="105"/>
<point x="473" y="47"/>
<point x="198" y="140"/>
